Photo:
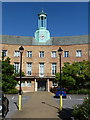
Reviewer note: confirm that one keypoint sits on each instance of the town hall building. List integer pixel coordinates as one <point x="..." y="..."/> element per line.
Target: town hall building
<point x="40" y="59"/>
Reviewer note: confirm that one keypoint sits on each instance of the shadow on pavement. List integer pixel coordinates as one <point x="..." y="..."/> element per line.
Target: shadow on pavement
<point x="66" y="114"/>
<point x="50" y="105"/>
<point x="16" y="105"/>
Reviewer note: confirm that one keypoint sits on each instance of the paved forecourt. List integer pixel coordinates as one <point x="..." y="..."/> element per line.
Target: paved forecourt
<point x="41" y="105"/>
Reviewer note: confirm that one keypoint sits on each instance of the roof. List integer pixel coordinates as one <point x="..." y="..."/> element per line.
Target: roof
<point x="26" y="40"/>
<point x="71" y="40"/>
<point x="42" y="12"/>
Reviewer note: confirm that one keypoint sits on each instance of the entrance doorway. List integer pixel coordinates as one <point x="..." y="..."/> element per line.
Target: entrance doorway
<point x="41" y="85"/>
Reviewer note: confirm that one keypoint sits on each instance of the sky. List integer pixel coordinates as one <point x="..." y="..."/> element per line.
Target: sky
<point x="63" y="18"/>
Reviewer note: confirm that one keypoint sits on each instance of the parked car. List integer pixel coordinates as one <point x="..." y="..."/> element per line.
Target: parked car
<point x="4" y="105"/>
<point x="60" y="91"/>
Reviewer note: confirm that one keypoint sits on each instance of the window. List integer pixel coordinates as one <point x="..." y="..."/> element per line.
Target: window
<point x="54" y="84"/>
<point x="41" y="69"/>
<point x="54" y="68"/>
<point x="53" y="54"/>
<point x="29" y="69"/>
<point x="29" y="53"/>
<point x="41" y="55"/>
<point x="23" y="84"/>
<point x="17" y="54"/>
<point x="4" y="52"/>
<point x="16" y="67"/>
<point x="66" y="53"/>
<point x="28" y="84"/>
<point x="78" y="53"/>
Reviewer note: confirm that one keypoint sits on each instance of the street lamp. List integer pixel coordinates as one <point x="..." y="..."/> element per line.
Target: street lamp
<point x="21" y="49"/>
<point x="60" y="53"/>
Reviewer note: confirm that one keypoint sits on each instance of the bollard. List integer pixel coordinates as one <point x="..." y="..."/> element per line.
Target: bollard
<point x="20" y="102"/>
<point x="61" y="103"/>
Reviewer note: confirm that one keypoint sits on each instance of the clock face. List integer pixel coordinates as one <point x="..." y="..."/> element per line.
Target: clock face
<point x="42" y="36"/>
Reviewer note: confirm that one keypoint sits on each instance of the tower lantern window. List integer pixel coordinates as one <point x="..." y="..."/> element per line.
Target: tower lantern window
<point x="41" y="17"/>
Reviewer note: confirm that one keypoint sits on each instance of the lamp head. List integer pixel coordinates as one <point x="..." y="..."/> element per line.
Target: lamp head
<point x="21" y="49"/>
<point x="60" y="51"/>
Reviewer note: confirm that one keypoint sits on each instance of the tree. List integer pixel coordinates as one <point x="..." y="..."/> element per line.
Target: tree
<point x="82" y="73"/>
<point x="76" y="75"/>
<point x="8" y="77"/>
<point x="87" y="73"/>
<point x="67" y="80"/>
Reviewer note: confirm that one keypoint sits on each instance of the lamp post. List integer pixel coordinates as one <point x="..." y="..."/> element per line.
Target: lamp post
<point x="21" y="49"/>
<point x="61" y="101"/>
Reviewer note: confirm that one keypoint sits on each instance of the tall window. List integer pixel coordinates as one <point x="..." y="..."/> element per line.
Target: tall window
<point x="41" y="54"/>
<point x="16" y="67"/>
<point x="53" y="54"/>
<point x="78" y="53"/>
<point x="29" y="69"/>
<point x="4" y="52"/>
<point x="17" y="54"/>
<point x="54" y="67"/>
<point x="66" y="53"/>
<point x="29" y="53"/>
<point x="41" y="69"/>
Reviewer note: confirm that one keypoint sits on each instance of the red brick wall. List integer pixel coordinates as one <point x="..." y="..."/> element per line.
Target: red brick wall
<point x="47" y="59"/>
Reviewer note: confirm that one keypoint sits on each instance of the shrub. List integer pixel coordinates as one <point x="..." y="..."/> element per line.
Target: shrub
<point x="72" y="92"/>
<point x="82" y="112"/>
<point x="81" y="91"/>
<point x="12" y="91"/>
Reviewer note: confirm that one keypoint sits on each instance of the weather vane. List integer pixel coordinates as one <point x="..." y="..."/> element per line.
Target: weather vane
<point x="42" y="9"/>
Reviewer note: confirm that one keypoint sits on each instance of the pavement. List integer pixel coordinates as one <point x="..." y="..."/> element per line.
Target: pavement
<point x="40" y="105"/>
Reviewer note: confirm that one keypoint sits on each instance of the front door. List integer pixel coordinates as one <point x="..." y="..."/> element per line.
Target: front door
<point x="41" y="85"/>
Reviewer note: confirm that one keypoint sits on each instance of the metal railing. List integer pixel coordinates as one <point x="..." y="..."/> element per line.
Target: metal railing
<point x="41" y="75"/>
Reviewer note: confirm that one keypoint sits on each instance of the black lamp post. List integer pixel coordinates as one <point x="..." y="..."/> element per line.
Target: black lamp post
<point x="21" y="49"/>
<point x="60" y="53"/>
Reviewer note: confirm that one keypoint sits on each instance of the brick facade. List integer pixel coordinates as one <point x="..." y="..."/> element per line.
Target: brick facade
<point x="47" y="59"/>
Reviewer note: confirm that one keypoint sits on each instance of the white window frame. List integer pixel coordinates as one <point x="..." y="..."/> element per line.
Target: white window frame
<point x="29" y="53"/>
<point x="5" y="52"/>
<point x="16" y="53"/>
<point x="29" y="69"/>
<point x="41" y="54"/>
<point x="41" y="69"/>
<point x="53" y="54"/>
<point x="28" y="83"/>
<point x="16" y="67"/>
<point x="66" y="53"/>
<point x="53" y="68"/>
<point x="78" y="53"/>
<point x="54" y="84"/>
<point x="23" y="84"/>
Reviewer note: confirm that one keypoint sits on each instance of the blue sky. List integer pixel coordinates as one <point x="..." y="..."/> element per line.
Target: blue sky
<point x="64" y="18"/>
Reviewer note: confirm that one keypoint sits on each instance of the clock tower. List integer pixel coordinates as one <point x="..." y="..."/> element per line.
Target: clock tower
<point x="42" y="34"/>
